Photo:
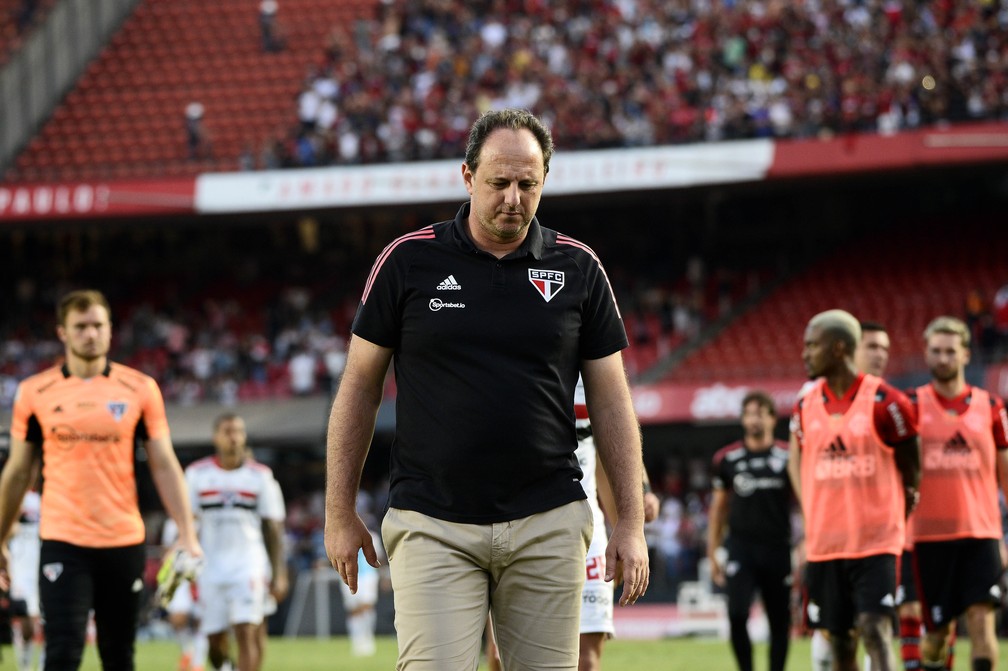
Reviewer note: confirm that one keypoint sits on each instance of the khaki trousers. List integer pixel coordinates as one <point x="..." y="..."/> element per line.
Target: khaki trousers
<point x="529" y="572"/>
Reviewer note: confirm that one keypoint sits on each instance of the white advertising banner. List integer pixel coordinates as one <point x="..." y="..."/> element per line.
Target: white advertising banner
<point x="571" y="173"/>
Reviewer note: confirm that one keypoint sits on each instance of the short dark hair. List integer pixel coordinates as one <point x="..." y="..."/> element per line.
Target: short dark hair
<point x="872" y="326"/>
<point x="80" y="301"/>
<point x="513" y="119"/>
<point x="224" y="417"/>
<point x="762" y="398"/>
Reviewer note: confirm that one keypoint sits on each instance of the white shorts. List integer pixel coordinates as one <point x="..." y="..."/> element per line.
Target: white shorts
<point x="367" y="592"/>
<point x="223" y="605"/>
<point x="24" y="571"/>
<point x="183" y="601"/>
<point x="597" y="594"/>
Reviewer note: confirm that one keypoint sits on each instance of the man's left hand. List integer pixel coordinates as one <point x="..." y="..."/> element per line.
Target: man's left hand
<point x="280" y="585"/>
<point x="627" y="552"/>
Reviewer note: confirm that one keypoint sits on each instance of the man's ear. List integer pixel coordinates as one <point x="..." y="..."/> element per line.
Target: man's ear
<point x="840" y="350"/>
<point x="467" y="177"/>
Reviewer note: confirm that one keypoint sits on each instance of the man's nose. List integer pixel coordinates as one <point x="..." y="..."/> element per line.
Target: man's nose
<point x="511" y="195"/>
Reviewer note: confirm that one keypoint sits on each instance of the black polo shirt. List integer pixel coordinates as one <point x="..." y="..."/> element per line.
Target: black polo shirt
<point x="487" y="356"/>
<point x="760" y="507"/>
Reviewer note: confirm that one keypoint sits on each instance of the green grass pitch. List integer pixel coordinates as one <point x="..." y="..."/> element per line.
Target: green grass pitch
<point x="310" y="654"/>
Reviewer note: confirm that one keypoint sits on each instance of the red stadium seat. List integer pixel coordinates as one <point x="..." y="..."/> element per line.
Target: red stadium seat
<point x="904" y="293"/>
<point x="168" y="54"/>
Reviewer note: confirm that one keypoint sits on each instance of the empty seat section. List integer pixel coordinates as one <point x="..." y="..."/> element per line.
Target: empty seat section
<point x="170" y="53"/>
<point x="903" y="291"/>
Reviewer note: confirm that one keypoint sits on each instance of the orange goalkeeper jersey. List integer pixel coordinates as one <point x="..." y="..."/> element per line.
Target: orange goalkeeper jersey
<point x="88" y="430"/>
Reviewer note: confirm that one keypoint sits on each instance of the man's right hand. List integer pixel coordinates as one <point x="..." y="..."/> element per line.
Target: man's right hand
<point x="717" y="573"/>
<point x="190" y="545"/>
<point x="344" y="538"/>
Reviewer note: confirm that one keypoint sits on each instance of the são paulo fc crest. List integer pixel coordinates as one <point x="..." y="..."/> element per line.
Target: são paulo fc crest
<point x="52" y="571"/>
<point x="117" y="408"/>
<point x="547" y="282"/>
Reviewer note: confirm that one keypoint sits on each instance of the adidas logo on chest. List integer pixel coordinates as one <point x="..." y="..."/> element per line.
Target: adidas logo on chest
<point x="449" y="284"/>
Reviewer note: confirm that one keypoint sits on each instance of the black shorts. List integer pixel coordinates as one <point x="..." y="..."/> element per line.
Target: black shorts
<point x="74" y="580"/>
<point x="907" y="590"/>
<point x="840" y="589"/>
<point x="953" y="575"/>
<point x="757" y="566"/>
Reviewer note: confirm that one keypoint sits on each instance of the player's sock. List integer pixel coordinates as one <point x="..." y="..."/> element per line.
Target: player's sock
<point x="22" y="651"/>
<point x="25" y="652"/>
<point x="950" y="657"/>
<point x="39" y="641"/>
<point x="822" y="654"/>
<point x="361" y="628"/>
<point x="185" y="641"/>
<point x="867" y="662"/>
<point x="353" y="629"/>
<point x="24" y="656"/>
<point x="370" y="618"/>
<point x="910" y="633"/>
<point x="982" y="664"/>
<point x="357" y="629"/>
<point x="201" y="649"/>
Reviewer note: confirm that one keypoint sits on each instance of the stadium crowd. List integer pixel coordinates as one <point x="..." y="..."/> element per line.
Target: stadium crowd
<point x="290" y="342"/>
<point x="406" y="84"/>
<point x="216" y="349"/>
<point x="256" y="322"/>
<point x="251" y="326"/>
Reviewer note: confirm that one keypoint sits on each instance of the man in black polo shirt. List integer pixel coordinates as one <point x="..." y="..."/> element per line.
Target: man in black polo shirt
<point x="750" y="515"/>
<point x="488" y="318"/>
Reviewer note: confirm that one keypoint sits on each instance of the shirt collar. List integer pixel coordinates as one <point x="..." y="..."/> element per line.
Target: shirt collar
<point x="532" y="245"/>
<point x="66" y="370"/>
<point x="848" y="395"/>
